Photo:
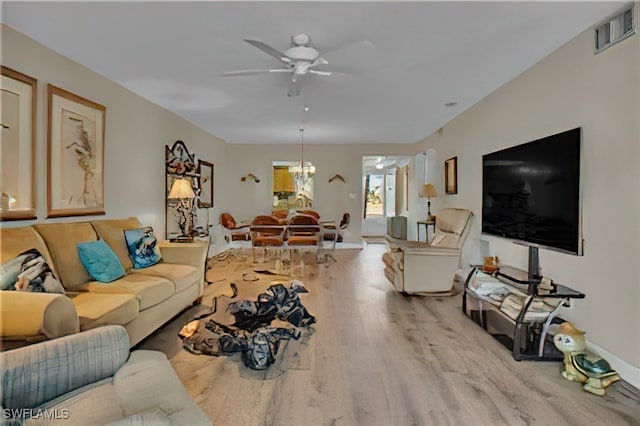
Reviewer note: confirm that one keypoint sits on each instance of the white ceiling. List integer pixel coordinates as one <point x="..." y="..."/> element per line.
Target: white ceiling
<point x="402" y="63"/>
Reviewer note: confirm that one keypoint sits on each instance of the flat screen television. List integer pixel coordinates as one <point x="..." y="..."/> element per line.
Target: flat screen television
<point x="531" y="193"/>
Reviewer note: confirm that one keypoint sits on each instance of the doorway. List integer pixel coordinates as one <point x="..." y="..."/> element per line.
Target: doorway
<point x="384" y="193"/>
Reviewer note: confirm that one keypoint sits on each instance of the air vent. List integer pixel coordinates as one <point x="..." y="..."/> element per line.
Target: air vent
<point x="615" y="29"/>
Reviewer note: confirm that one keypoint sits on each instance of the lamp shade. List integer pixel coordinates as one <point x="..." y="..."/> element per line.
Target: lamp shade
<point x="428" y="191"/>
<point x="181" y="188"/>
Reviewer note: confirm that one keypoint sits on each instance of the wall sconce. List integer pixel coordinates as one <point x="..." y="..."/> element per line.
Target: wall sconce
<point x="250" y="176"/>
<point x="182" y="192"/>
<point x="338" y="177"/>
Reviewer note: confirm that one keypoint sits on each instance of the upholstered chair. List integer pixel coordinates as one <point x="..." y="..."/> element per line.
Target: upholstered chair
<point x="429" y="268"/>
<point x="266" y="231"/>
<point x="303" y="230"/>
<point x="332" y="232"/>
<point x="234" y="231"/>
<point x="309" y="212"/>
<point x="281" y="215"/>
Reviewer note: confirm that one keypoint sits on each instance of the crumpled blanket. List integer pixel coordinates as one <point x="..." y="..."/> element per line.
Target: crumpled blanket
<point x="251" y="333"/>
<point x="29" y="272"/>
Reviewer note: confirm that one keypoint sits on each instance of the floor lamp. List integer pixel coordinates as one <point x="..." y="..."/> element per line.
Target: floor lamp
<point x="182" y="193"/>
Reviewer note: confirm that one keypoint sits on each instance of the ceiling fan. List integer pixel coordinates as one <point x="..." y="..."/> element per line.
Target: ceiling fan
<point x="300" y="59"/>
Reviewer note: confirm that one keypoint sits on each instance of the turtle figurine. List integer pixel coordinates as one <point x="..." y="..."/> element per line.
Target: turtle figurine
<point x="580" y="364"/>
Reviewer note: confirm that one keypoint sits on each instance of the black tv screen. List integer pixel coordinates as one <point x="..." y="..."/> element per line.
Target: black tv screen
<point x="531" y="192"/>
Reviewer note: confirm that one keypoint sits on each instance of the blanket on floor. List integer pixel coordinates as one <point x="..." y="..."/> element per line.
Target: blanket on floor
<point x="251" y="332"/>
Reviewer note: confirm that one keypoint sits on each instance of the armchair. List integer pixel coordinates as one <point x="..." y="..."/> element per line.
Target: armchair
<point x="266" y="231"/>
<point x="234" y="231"/>
<point x="418" y="268"/>
<point x="334" y="233"/>
<point x="304" y="230"/>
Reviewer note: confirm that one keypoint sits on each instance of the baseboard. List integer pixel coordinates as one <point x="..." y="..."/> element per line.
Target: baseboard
<point x="629" y="373"/>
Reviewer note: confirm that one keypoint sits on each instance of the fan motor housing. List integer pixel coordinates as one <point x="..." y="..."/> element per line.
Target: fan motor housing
<point x="302" y="53"/>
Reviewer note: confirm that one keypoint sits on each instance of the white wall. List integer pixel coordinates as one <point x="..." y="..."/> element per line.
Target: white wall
<point x="135" y="136"/>
<point x="600" y="93"/>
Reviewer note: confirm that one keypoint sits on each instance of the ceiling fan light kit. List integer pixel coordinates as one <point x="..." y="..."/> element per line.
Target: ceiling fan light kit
<point x="300" y="59"/>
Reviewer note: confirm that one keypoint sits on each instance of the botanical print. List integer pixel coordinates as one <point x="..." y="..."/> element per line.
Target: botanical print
<point x="17" y="147"/>
<point x="78" y="136"/>
<point x="75" y="155"/>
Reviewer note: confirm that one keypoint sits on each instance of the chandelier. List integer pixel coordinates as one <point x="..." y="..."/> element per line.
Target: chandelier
<point x="303" y="169"/>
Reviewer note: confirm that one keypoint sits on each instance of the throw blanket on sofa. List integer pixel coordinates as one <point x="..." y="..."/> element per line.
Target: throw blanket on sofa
<point x="29" y="272"/>
<point x="251" y="333"/>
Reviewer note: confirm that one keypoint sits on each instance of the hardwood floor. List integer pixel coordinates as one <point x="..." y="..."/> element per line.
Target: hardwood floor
<point x="380" y="358"/>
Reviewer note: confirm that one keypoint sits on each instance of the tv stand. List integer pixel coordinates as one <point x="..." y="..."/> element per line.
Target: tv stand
<point x="509" y="305"/>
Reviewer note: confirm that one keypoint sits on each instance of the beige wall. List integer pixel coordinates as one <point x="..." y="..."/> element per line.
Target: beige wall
<point x="600" y="93"/>
<point x="135" y="135"/>
<point x="330" y="199"/>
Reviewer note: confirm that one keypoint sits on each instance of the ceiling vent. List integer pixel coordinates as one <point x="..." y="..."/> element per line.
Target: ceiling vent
<point x="615" y="29"/>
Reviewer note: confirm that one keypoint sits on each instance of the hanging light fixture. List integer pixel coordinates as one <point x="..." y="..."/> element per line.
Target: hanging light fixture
<point x="303" y="169"/>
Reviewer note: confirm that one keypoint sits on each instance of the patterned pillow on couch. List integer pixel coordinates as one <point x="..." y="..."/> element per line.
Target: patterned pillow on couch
<point x="142" y="246"/>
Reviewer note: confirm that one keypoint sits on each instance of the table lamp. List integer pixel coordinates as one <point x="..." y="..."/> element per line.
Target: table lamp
<point x="428" y="191"/>
<point x="182" y="192"/>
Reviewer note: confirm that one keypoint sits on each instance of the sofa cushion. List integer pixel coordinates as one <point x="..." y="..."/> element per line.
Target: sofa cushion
<point x="111" y="231"/>
<point x="95" y="309"/>
<point x="89" y="405"/>
<point x="62" y="240"/>
<point x="183" y="276"/>
<point x="452" y="220"/>
<point x="445" y="239"/>
<point x="154" y="416"/>
<point x="148" y="289"/>
<point x="100" y="261"/>
<point x="143" y="247"/>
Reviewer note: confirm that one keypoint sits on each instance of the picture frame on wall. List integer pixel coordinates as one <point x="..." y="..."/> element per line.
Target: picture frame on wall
<point x="18" y="127"/>
<point x="205" y="173"/>
<point x="451" y="176"/>
<point x="75" y="155"/>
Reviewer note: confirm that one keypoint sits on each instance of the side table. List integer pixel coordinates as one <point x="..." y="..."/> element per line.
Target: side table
<point x="427" y="223"/>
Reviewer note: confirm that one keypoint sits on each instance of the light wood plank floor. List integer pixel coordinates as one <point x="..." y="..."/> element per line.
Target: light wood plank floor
<point x="380" y="358"/>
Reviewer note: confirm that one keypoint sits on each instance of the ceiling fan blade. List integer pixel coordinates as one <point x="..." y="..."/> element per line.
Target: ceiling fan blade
<point x="294" y="88"/>
<point x="319" y="61"/>
<point x="253" y="72"/>
<point x="320" y="72"/>
<point x="349" y="45"/>
<point x="269" y="50"/>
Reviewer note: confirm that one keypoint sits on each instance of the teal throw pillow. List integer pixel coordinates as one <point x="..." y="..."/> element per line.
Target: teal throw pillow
<point x="142" y="246"/>
<point x="100" y="261"/>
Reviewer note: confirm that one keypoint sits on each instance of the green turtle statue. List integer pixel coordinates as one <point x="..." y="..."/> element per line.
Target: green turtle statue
<point x="580" y="364"/>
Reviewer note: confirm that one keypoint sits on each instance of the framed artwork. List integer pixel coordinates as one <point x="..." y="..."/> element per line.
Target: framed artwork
<point x="75" y="155"/>
<point x="205" y="172"/>
<point x="17" y="155"/>
<point x="451" y="176"/>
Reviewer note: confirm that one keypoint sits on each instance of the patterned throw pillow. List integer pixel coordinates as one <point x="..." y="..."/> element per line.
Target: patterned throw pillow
<point x="100" y="261"/>
<point x="141" y="244"/>
<point x="29" y="272"/>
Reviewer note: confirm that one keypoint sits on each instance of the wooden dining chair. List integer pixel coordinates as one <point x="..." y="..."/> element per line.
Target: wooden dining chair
<point x="266" y="232"/>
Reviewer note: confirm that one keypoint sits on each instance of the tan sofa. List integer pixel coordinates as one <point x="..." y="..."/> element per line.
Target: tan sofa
<point x="141" y="301"/>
